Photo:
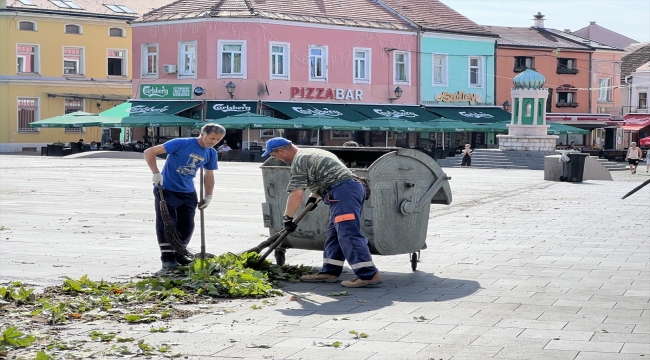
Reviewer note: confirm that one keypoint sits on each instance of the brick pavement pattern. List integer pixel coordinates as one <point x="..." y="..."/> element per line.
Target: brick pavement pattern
<point x="516" y="267"/>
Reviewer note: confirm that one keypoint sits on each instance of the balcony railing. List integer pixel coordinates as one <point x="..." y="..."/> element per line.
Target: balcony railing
<point x="566" y="70"/>
<point x="567" y="104"/>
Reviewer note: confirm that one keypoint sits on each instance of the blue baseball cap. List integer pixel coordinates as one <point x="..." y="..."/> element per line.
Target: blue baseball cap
<point x="275" y="143"/>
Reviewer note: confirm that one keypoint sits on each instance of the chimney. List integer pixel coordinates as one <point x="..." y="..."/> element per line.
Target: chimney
<point x="592" y="23"/>
<point x="538" y="20"/>
<point x="568" y="31"/>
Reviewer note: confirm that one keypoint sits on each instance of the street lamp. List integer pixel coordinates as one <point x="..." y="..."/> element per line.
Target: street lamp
<point x="231" y="89"/>
<point x="398" y="94"/>
<point x="506" y="105"/>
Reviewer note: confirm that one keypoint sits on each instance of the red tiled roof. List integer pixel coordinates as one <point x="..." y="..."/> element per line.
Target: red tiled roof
<point x="362" y="13"/>
<point x="434" y="15"/>
<point x="93" y="6"/>
<point x="604" y="36"/>
<point x="633" y="60"/>
<point x="533" y="37"/>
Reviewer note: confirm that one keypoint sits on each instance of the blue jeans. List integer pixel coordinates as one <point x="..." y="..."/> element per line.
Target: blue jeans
<point x="181" y="207"/>
<point x="344" y="238"/>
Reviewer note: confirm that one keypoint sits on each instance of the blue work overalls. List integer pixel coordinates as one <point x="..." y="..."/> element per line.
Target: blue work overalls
<point x="182" y="208"/>
<point x="344" y="238"/>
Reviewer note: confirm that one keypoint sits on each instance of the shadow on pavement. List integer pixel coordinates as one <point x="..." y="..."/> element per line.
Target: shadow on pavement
<point x="417" y="287"/>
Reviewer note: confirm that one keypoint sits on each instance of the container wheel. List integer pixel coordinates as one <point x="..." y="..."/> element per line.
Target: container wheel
<point x="414" y="261"/>
<point x="280" y="257"/>
<point x="574" y="179"/>
<point x="562" y="178"/>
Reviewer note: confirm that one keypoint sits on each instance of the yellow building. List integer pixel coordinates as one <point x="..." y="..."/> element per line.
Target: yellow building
<point x="58" y="57"/>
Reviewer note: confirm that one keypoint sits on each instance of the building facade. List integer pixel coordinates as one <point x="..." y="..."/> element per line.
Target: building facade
<point x="75" y="56"/>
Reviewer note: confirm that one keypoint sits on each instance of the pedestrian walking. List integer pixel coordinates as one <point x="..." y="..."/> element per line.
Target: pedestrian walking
<point x="327" y="177"/>
<point x="634" y="154"/>
<point x="185" y="156"/>
<point x="467" y="156"/>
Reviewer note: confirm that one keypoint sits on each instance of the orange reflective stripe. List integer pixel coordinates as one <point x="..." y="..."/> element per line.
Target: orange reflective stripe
<point x="344" y="217"/>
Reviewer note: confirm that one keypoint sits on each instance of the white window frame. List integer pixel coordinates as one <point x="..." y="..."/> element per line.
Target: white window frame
<point x="82" y="61"/>
<point x="144" y="55"/>
<point x="220" y="74"/>
<point x="34" y="23"/>
<point x="323" y="57"/>
<point x="407" y="68"/>
<point x="286" y="63"/>
<point x="367" y="66"/>
<point x="37" y="58"/>
<point x="125" y="63"/>
<point x="123" y="31"/>
<point x="81" y="29"/>
<point x="181" y="64"/>
<point x="479" y="77"/>
<point x="645" y="106"/>
<point x="444" y="72"/>
<point x="604" y="89"/>
<point x="37" y="114"/>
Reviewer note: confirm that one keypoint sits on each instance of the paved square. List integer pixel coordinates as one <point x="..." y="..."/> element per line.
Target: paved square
<point x="516" y="267"/>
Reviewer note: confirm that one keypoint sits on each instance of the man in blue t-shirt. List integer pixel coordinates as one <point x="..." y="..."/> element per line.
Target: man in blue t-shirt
<point x="185" y="156"/>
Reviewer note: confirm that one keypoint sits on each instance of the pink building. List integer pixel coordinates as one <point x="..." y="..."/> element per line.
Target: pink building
<point x="312" y="55"/>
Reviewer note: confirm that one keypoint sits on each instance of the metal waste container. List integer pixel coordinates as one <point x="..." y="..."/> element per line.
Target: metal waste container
<point x="404" y="184"/>
<point x="573" y="169"/>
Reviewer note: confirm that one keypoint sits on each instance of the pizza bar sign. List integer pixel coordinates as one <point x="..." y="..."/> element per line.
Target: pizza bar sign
<point x="323" y="93"/>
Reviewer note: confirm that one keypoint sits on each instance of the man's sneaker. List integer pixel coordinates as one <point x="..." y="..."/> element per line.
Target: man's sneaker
<point x="376" y="280"/>
<point x="328" y="278"/>
<point x="170" y="264"/>
<point x="184" y="260"/>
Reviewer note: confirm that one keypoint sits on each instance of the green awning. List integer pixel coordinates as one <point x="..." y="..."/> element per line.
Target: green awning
<point x="557" y="129"/>
<point x="404" y="112"/>
<point x="322" y="122"/>
<point x="301" y="109"/>
<point x="250" y="120"/>
<point x="222" y="109"/>
<point x="472" y="114"/>
<point x="389" y="123"/>
<point x="148" y="119"/>
<point x="455" y="126"/>
<point x="75" y="119"/>
<point x="136" y="107"/>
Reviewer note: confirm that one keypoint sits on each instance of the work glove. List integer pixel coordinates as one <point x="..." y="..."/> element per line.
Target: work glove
<point x="290" y="226"/>
<point x="312" y="200"/>
<point x="157" y="179"/>
<point x="205" y="202"/>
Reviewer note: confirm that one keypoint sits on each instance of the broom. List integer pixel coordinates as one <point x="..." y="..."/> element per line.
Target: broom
<point x="172" y="235"/>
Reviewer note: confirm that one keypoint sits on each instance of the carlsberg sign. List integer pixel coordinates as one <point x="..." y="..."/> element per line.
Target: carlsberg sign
<point x="165" y="91"/>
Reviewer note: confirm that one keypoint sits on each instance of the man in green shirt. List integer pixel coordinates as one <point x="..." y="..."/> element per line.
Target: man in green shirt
<point x="326" y="176"/>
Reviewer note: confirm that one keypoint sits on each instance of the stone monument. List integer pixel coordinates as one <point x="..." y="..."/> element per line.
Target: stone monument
<point x="527" y="130"/>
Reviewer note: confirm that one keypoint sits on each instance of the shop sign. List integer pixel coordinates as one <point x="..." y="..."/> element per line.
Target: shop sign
<point x="323" y="93"/>
<point x="395" y="113"/>
<point x="475" y="115"/>
<point x="144" y="109"/>
<point x="165" y="91"/>
<point x="325" y="111"/>
<point x="239" y="108"/>
<point x="459" y="97"/>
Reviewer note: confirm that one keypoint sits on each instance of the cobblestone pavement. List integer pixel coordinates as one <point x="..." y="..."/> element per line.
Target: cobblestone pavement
<point x="516" y="267"/>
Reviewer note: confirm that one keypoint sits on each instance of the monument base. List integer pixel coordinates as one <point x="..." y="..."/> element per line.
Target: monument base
<point x="527" y="143"/>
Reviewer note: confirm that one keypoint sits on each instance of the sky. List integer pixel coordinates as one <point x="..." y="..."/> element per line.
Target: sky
<point x="626" y="17"/>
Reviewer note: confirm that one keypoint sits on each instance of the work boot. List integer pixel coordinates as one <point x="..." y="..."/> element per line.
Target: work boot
<point x="329" y="278"/>
<point x="184" y="260"/>
<point x="170" y="264"/>
<point x="376" y="280"/>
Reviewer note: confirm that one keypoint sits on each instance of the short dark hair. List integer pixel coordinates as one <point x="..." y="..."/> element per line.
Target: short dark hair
<point x="210" y="128"/>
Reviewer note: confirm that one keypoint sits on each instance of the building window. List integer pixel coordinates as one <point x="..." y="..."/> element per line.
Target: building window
<point x="279" y="61"/>
<point x="187" y="62"/>
<point x="522" y="63"/>
<point x="72" y="61"/>
<point x="233" y="59"/>
<point x="70" y="106"/>
<point x="317" y="63"/>
<point x="120" y="8"/>
<point x="604" y="90"/>
<point x="401" y="67"/>
<point x="150" y="60"/>
<point x="362" y="65"/>
<point x="27" y="58"/>
<point x="643" y="100"/>
<point x="27" y="113"/>
<point x="116" y="62"/>
<point x="27" y="25"/>
<point x="66" y="4"/>
<point x="566" y="99"/>
<point x="566" y="66"/>
<point x="72" y="29"/>
<point x="475" y="71"/>
<point x="116" y="32"/>
<point x="439" y="69"/>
